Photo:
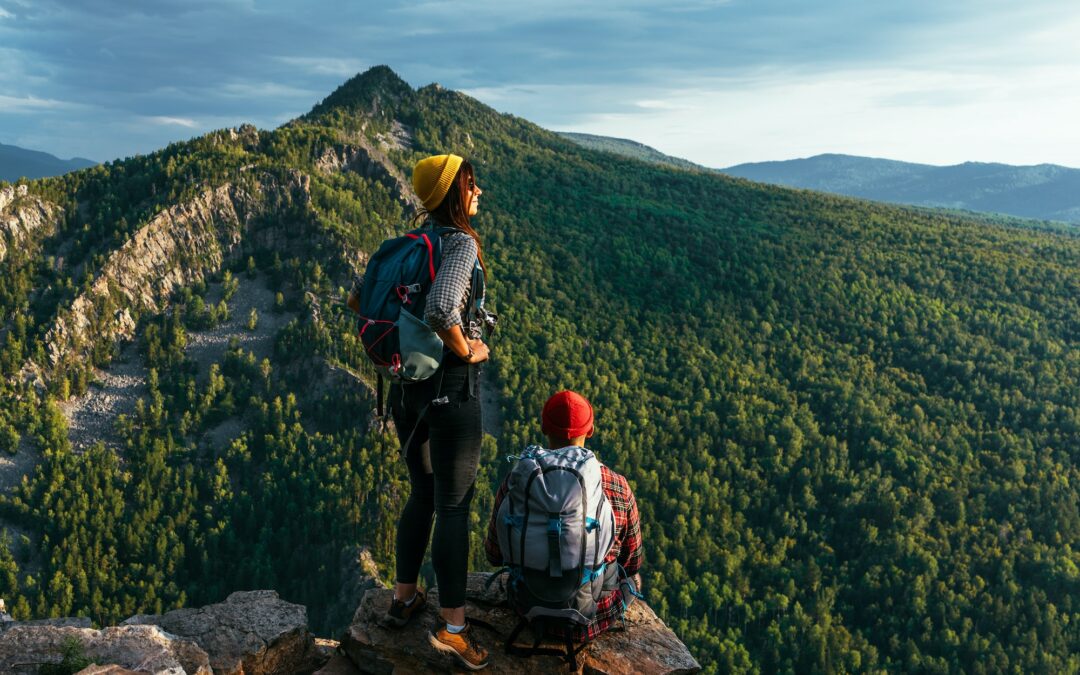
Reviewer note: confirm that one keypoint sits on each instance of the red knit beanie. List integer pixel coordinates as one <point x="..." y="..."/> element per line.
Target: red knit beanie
<point x="567" y="415"/>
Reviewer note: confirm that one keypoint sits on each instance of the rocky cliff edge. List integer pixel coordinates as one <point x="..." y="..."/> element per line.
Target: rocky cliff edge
<point x="258" y="633"/>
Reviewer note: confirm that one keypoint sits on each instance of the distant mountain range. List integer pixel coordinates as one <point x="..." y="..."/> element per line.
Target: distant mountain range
<point x="16" y="163"/>
<point x="1044" y="191"/>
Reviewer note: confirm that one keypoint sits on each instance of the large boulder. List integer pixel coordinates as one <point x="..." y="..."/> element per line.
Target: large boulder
<point x="646" y="646"/>
<point x="251" y="633"/>
<point x="143" y="649"/>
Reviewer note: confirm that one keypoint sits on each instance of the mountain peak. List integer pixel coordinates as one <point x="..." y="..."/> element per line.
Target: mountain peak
<point x="368" y="91"/>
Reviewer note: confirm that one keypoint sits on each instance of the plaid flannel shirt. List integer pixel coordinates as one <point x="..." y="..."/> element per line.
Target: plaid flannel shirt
<point x="446" y="302"/>
<point x="626" y="550"/>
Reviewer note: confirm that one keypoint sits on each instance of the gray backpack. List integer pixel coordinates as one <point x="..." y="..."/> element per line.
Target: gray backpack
<point x="555" y="527"/>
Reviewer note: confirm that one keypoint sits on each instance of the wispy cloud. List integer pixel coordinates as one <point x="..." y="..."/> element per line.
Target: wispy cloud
<point x="32" y="103"/>
<point x="4" y="14"/>
<point x="660" y="104"/>
<point x="172" y="121"/>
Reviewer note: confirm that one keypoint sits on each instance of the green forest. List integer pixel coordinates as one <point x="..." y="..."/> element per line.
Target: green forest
<point x="853" y="429"/>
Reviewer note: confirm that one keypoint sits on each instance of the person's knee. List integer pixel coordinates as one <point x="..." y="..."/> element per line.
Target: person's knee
<point x="457" y="511"/>
<point x="451" y="505"/>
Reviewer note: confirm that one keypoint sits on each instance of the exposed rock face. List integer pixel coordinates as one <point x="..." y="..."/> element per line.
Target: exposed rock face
<point x="176" y="248"/>
<point x="251" y="633"/>
<point x="398" y="138"/>
<point x="144" y="649"/>
<point x="144" y="271"/>
<point x="10" y="193"/>
<point x="370" y="162"/>
<point x="647" y="646"/>
<point x="22" y="216"/>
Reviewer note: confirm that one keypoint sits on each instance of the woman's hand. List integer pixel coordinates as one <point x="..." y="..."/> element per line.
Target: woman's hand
<point x="455" y="340"/>
<point x="480" y="351"/>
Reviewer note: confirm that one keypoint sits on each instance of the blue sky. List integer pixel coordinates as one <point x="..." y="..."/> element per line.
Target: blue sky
<point x="716" y="81"/>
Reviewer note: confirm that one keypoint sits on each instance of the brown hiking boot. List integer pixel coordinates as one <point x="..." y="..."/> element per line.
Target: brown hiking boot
<point x="462" y="645"/>
<point x="399" y="613"/>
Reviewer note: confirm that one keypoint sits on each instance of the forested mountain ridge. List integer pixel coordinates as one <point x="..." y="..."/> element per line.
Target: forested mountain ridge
<point x="852" y="428"/>
<point x="629" y="148"/>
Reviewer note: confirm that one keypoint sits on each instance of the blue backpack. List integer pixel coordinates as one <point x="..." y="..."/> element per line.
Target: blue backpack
<point x="396" y="283"/>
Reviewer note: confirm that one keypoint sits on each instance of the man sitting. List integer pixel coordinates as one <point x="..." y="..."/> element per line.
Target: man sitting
<point x="566" y="421"/>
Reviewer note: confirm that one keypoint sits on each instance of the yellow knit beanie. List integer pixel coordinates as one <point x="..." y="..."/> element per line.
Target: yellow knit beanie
<point x="432" y="176"/>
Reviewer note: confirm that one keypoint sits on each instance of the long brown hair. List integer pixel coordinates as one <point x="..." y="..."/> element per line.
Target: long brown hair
<point x="453" y="211"/>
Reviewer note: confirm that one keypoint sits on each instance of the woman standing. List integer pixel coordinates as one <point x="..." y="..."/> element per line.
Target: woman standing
<point x="440" y="419"/>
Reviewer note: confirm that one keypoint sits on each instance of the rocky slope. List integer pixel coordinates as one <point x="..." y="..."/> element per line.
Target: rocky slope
<point x="23" y="217"/>
<point x="189" y="241"/>
<point x="178" y="247"/>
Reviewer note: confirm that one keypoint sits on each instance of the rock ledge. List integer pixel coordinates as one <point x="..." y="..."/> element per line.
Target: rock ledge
<point x="646" y="646"/>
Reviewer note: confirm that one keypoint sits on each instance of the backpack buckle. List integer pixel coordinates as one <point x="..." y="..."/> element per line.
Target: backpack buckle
<point x="404" y="290"/>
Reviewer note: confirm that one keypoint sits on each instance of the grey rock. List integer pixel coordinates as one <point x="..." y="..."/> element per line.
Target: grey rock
<point x="23" y="216"/>
<point x="143" y="649"/>
<point x="7" y="622"/>
<point x="251" y="633"/>
<point x="111" y="669"/>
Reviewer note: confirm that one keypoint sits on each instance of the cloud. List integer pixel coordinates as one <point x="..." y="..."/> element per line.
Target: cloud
<point x="782" y="116"/>
<point x="31" y="103"/>
<point x="4" y="14"/>
<point x="172" y="121"/>
<point x="684" y="71"/>
<point x="657" y="104"/>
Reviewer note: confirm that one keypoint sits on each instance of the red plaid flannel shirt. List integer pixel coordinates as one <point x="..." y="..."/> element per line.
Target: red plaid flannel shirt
<point x="626" y="549"/>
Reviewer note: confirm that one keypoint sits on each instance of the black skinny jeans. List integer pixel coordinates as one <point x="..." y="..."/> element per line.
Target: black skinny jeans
<point x="442" y="459"/>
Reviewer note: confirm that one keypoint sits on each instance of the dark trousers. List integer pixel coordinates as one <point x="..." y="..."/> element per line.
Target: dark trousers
<point x="442" y="457"/>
